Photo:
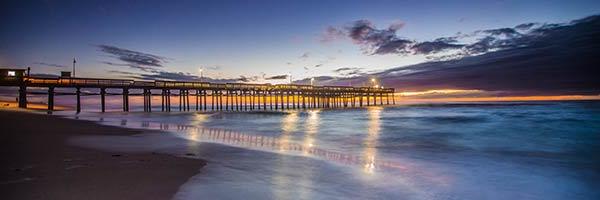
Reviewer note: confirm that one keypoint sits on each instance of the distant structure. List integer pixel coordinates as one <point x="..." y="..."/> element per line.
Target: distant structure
<point x="222" y="96"/>
<point x="12" y="73"/>
<point x="74" y="61"/>
<point x="65" y="74"/>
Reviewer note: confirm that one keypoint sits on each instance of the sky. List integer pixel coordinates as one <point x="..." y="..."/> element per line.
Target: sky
<point x="265" y="41"/>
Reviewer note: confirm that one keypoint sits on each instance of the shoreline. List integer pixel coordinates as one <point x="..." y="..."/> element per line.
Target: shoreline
<point x="63" y="171"/>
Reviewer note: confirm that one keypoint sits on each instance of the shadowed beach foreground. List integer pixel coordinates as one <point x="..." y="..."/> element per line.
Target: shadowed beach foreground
<point x="37" y="163"/>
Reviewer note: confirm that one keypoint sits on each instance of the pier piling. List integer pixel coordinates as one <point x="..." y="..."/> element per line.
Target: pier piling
<point x="78" y="94"/>
<point x="103" y="99"/>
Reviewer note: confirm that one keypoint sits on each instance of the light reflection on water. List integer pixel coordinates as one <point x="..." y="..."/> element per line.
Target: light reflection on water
<point x="370" y="152"/>
<point x="517" y="151"/>
<point x="282" y="144"/>
<point x="312" y="127"/>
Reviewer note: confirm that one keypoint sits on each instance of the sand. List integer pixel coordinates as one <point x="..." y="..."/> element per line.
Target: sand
<point x="37" y="163"/>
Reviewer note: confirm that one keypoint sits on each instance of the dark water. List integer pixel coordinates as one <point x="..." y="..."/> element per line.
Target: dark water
<point x="542" y="150"/>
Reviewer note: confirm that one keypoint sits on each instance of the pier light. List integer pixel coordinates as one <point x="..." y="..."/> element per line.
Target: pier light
<point x="374" y="82"/>
<point x="200" y="70"/>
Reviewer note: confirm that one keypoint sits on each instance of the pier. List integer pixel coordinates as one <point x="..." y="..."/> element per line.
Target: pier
<point x="206" y="96"/>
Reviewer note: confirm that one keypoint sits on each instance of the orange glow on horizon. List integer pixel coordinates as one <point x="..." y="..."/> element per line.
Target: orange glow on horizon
<point x="440" y="91"/>
<point x="507" y="98"/>
<point x="453" y="95"/>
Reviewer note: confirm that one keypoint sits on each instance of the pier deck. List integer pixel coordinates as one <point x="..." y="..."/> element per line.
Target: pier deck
<point x="209" y="96"/>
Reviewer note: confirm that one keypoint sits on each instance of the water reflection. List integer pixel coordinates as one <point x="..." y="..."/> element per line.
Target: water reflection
<point x="282" y="144"/>
<point x="193" y="139"/>
<point x="200" y="119"/>
<point x="289" y="123"/>
<point x="370" y="143"/>
<point x="311" y="127"/>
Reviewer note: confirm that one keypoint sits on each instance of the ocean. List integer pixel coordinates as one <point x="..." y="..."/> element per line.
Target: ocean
<point x="491" y="150"/>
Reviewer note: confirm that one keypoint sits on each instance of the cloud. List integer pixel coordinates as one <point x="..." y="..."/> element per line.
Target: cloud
<point x="173" y="76"/>
<point x="396" y="25"/>
<point x="277" y="77"/>
<point x="215" y="67"/>
<point x="319" y="80"/>
<point x="349" y="71"/>
<point x="436" y="46"/>
<point x="305" y="55"/>
<point x="525" y="26"/>
<point x="134" y="59"/>
<point x="318" y="65"/>
<point x="249" y="79"/>
<point x="49" y="64"/>
<point x="331" y="34"/>
<point x="507" y="32"/>
<point x="376" y="41"/>
<point x="549" y="59"/>
<point x="158" y="75"/>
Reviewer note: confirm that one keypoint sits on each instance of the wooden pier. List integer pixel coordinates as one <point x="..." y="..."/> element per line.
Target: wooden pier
<point x="208" y="96"/>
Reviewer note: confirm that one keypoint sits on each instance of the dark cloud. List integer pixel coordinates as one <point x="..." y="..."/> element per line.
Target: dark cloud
<point x="343" y="69"/>
<point x="525" y="26"/>
<point x="434" y="47"/>
<point x="50" y="64"/>
<point x="158" y="75"/>
<point x="134" y="59"/>
<point x="482" y="45"/>
<point x="558" y="59"/>
<point x="248" y="78"/>
<point x="386" y="41"/>
<point x="377" y="41"/>
<point x="277" y="77"/>
<point x="121" y="72"/>
<point x="507" y="32"/>
<point x="318" y="65"/>
<point x="396" y="46"/>
<point x="349" y="71"/>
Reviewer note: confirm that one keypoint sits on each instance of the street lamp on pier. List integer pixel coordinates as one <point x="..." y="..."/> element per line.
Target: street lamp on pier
<point x="200" y="70"/>
<point x="374" y="82"/>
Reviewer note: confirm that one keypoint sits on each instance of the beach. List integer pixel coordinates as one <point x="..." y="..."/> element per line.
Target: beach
<point x="485" y="150"/>
<point x="37" y="163"/>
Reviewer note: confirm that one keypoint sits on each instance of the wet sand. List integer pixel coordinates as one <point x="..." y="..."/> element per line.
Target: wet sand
<point x="37" y="163"/>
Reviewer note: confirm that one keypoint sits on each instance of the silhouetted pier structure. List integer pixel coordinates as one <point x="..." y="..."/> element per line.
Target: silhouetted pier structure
<point x="208" y="96"/>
